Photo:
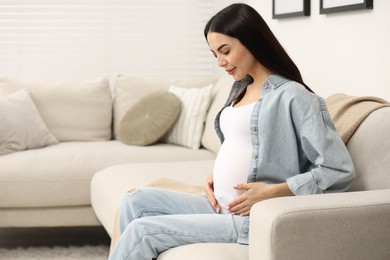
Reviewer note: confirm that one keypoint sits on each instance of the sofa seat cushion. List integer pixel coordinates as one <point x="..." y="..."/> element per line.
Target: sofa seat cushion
<point x="60" y="175"/>
<point x="109" y="185"/>
<point x="207" y="251"/>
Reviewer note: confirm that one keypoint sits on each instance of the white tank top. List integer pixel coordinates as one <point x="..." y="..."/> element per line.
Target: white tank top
<point x="234" y="157"/>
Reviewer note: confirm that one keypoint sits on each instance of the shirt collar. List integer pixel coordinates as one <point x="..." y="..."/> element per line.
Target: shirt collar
<point x="275" y="81"/>
<point x="271" y="82"/>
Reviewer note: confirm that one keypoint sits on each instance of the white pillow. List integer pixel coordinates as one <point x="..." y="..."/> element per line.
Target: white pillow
<point x="21" y="126"/>
<point x="189" y="127"/>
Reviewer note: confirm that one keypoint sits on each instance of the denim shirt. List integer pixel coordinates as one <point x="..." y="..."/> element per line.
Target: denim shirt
<point x="294" y="140"/>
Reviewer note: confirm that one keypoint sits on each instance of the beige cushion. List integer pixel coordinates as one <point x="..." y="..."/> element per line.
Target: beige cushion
<point x="109" y="185"/>
<point x="150" y="119"/>
<point x="21" y="126"/>
<point x="130" y="89"/>
<point x="41" y="177"/>
<point x="189" y="127"/>
<point x="72" y="110"/>
<point x="219" y="96"/>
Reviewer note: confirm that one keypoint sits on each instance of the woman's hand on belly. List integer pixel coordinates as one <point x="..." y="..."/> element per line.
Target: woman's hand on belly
<point x="209" y="189"/>
<point x="255" y="192"/>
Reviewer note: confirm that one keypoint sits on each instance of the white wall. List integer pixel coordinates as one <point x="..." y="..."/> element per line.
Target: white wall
<point x="345" y="52"/>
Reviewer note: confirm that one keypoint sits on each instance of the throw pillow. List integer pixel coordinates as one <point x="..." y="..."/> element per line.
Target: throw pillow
<point x="189" y="127"/>
<point x="150" y="119"/>
<point x="130" y="89"/>
<point x="21" y="125"/>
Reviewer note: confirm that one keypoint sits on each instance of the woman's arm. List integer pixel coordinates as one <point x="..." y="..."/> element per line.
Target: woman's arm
<point x="333" y="169"/>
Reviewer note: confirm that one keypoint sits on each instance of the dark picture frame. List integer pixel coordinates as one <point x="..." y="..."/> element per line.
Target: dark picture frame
<point x="290" y="8"/>
<point x="355" y="5"/>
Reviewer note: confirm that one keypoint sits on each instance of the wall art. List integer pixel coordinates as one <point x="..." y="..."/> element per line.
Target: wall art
<point x="290" y="8"/>
<point x="332" y="6"/>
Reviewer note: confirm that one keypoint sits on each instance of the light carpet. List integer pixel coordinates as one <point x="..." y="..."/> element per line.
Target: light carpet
<point x="98" y="252"/>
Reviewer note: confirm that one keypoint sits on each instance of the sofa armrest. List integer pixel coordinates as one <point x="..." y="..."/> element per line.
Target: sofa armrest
<point x="350" y="225"/>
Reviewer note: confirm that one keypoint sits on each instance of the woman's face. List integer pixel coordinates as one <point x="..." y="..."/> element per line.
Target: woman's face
<point x="232" y="55"/>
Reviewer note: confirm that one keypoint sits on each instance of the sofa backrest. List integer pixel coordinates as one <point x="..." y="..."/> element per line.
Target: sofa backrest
<point x="369" y="147"/>
<point x="72" y="110"/>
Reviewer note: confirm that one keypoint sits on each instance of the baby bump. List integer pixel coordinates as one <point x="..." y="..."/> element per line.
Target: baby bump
<point x="230" y="169"/>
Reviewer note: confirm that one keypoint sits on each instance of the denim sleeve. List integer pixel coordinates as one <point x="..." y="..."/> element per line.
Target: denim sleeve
<point x="331" y="167"/>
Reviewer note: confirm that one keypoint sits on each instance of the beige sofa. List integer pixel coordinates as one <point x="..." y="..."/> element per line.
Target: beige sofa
<point x="50" y="185"/>
<point x="350" y="225"/>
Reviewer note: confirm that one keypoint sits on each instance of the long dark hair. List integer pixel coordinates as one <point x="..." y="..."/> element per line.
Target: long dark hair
<point x="244" y="23"/>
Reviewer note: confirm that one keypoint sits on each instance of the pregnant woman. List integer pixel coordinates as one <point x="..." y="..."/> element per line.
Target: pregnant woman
<point x="277" y="140"/>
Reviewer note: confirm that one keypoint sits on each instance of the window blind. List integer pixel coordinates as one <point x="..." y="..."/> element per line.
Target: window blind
<point x="86" y="38"/>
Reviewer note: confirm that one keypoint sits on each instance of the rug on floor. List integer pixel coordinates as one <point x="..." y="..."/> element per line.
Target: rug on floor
<point x="87" y="252"/>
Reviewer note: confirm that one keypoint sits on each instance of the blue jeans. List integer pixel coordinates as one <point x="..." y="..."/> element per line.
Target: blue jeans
<point x="154" y="220"/>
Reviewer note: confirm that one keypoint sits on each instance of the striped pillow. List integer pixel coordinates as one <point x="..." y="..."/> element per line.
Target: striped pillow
<point x="189" y="127"/>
